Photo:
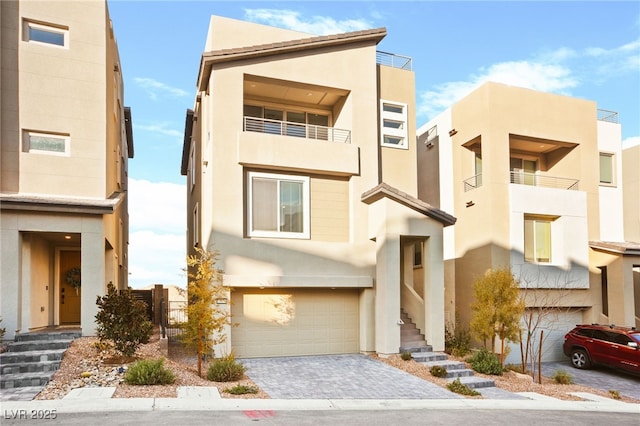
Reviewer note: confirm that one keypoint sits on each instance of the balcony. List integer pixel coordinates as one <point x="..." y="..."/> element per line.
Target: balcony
<point x="608" y="116"/>
<point x="530" y="179"/>
<point x="298" y="130"/>
<point x="393" y="60"/>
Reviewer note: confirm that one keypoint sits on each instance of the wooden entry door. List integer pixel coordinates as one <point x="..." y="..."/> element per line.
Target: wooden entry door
<point x="69" y="296"/>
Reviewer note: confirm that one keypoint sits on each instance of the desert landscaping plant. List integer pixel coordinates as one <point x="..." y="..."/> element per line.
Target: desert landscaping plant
<point x="206" y="318"/>
<point x="241" y="389"/>
<point x="458" y="387"/>
<point x="225" y="369"/>
<point x="438" y="371"/>
<point x="406" y="356"/>
<point x="614" y="394"/>
<point x="497" y="309"/>
<point x="149" y="372"/>
<point x="123" y="320"/>
<point x="457" y="340"/>
<point x="562" y="377"/>
<point x="486" y="362"/>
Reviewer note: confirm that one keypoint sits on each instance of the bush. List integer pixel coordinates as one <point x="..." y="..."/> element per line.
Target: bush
<point x="241" y="389"/>
<point x="438" y="371"/>
<point x="458" y="387"/>
<point x="149" y="372"/>
<point x="225" y="369"/>
<point x="123" y="320"/>
<point x="2" y="331"/>
<point x="562" y="377"/>
<point x="458" y="341"/>
<point x="486" y="362"/>
<point x="406" y="356"/>
<point x="614" y="394"/>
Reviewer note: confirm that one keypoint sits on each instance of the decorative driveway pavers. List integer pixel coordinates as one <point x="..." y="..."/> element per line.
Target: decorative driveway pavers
<point x="338" y="377"/>
<point x="598" y="378"/>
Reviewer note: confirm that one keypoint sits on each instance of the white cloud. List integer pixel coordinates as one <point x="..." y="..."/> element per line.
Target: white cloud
<point x="629" y="142"/>
<point x="317" y="25"/>
<point x="160" y="128"/>
<point x="157" y="244"/>
<point x="155" y="88"/>
<point x="533" y="75"/>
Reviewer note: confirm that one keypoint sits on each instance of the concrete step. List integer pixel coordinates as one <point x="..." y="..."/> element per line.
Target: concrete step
<point x="428" y="356"/>
<point x="421" y="347"/>
<point x="31" y="356"/>
<point x="54" y="335"/>
<point x="449" y="365"/>
<point x="38" y="345"/>
<point x="459" y="373"/>
<point x="475" y="382"/>
<point x="29" y="367"/>
<point x="25" y="379"/>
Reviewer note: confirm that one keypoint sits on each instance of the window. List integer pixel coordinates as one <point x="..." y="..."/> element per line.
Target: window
<point x="417" y="254"/>
<point x="604" y="290"/>
<point x="192" y="167"/>
<point x="606" y="168"/>
<point x="46" y="143"/>
<point x="393" y="124"/>
<point x="537" y="239"/>
<point x="196" y="227"/>
<point x="276" y="121"/>
<point x="46" y="33"/>
<point x="523" y="171"/>
<point x="278" y="205"/>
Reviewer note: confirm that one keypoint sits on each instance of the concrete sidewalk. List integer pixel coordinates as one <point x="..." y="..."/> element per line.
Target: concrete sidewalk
<point x="208" y="399"/>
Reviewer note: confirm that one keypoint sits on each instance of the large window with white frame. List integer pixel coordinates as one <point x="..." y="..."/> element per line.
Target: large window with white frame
<point x="537" y="238"/>
<point x="278" y="205"/>
<point x="46" y="143"/>
<point x="393" y="124"/>
<point x="45" y="33"/>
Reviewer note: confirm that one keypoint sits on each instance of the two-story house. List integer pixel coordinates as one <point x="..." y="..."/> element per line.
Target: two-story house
<point x="535" y="181"/>
<point x="66" y="140"/>
<point x="300" y="156"/>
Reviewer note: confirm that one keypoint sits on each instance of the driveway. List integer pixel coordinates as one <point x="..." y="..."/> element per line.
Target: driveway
<point x="339" y="377"/>
<point x="598" y="377"/>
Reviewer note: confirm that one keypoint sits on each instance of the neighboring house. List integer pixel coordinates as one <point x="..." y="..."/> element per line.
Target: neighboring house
<point x="534" y="180"/>
<point x="300" y="158"/>
<point x="66" y="141"/>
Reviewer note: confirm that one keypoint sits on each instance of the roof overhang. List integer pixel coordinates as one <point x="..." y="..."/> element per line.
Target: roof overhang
<point x="128" y="128"/>
<point x="186" y="142"/>
<point x="385" y="190"/>
<point x="208" y="59"/>
<point x="626" y="248"/>
<point x="48" y="204"/>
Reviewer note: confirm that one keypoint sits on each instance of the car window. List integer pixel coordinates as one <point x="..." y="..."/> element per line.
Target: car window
<point x="600" y="335"/>
<point x="587" y="332"/>
<point x="635" y="336"/>
<point x="622" y="339"/>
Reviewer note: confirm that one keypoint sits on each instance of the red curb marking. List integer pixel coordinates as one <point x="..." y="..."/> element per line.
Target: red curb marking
<point x="258" y="414"/>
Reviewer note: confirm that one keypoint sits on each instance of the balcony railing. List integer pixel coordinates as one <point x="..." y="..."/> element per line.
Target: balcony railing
<point x="608" y="116"/>
<point x="299" y="130"/>
<point x="522" y="178"/>
<point x="393" y="60"/>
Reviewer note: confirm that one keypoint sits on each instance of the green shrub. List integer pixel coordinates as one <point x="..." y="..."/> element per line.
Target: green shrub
<point x="562" y="377"/>
<point x="123" y="320"/>
<point x="149" y="372"/>
<point x="458" y="341"/>
<point x="458" y="387"/>
<point x="225" y="369"/>
<point x="406" y="356"/>
<point x="438" y="371"/>
<point x="2" y="331"/>
<point x="614" y="394"/>
<point x="486" y="362"/>
<point x="241" y="389"/>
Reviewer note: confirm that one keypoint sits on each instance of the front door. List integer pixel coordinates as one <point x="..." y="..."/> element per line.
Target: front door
<point x="70" y="289"/>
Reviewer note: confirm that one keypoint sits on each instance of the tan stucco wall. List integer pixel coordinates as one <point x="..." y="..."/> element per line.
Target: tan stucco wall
<point x="631" y="182"/>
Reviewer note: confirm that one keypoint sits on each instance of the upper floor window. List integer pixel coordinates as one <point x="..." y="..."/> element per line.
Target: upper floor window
<point x="278" y="205"/>
<point x="46" y="143"/>
<point x="537" y="238"/>
<point x="523" y="171"/>
<point x="393" y="122"/>
<point x="606" y="169"/>
<point x="285" y="122"/>
<point x="56" y="35"/>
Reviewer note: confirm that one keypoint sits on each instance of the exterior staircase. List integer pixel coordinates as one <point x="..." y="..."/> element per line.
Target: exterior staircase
<point x="411" y="340"/>
<point x="32" y="358"/>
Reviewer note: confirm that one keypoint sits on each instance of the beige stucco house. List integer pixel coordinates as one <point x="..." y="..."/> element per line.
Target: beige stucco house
<point x="535" y="181"/>
<point x="300" y="159"/>
<point x="66" y="140"/>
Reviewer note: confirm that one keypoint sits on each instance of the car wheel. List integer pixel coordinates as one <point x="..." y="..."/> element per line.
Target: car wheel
<point x="580" y="359"/>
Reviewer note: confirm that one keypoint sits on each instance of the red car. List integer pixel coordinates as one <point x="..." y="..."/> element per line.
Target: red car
<point x="609" y="345"/>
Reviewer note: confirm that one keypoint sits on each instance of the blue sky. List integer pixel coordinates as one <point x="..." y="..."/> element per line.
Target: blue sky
<point x="587" y="50"/>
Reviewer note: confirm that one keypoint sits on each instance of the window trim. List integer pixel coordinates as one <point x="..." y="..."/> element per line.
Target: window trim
<point x="399" y="131"/>
<point x="45" y="27"/>
<point x="542" y="219"/>
<point x="306" y="204"/>
<point x="612" y="158"/>
<point x="26" y="143"/>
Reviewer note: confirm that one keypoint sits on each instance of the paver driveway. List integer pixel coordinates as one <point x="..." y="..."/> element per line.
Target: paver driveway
<point x="338" y="377"/>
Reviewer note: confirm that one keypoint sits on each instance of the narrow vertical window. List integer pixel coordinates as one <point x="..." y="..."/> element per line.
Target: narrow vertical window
<point x="537" y="239"/>
<point x="393" y="124"/>
<point x="606" y="168"/>
<point x="604" y="290"/>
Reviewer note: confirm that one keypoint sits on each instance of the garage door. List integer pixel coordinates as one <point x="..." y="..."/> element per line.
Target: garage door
<point x="555" y="324"/>
<point x="288" y="322"/>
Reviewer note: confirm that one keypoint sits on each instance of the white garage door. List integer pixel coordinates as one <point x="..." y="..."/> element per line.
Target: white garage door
<point x="555" y="324"/>
<point x="289" y="322"/>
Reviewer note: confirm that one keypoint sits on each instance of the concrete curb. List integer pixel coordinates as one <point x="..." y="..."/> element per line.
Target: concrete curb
<point x="95" y="405"/>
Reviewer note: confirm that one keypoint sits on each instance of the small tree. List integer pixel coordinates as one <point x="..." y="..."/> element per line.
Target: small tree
<point x="206" y="319"/>
<point x="497" y="308"/>
<point x="122" y="319"/>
